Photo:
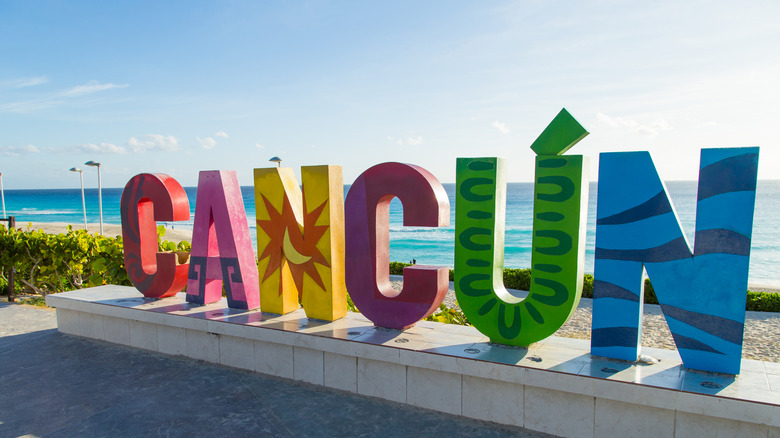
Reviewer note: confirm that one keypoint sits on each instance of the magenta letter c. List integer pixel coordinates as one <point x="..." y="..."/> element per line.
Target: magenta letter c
<point x="367" y="243"/>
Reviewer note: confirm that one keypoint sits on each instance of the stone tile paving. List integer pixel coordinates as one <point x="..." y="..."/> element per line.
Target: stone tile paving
<point x="59" y="385"/>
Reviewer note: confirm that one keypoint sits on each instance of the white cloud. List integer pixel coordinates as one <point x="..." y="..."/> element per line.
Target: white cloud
<point x="89" y="88"/>
<point x="661" y="125"/>
<point x="206" y="143"/>
<point x="24" y="82"/>
<point x="101" y="148"/>
<point x="51" y="100"/>
<point x="149" y="142"/>
<point x="409" y="140"/>
<point x="30" y="105"/>
<point x="209" y="142"/>
<point x="500" y="126"/>
<point x="647" y="131"/>
<point x="650" y="130"/>
<point x="15" y="151"/>
<point x="616" y="121"/>
<point x="140" y="144"/>
<point x="259" y="146"/>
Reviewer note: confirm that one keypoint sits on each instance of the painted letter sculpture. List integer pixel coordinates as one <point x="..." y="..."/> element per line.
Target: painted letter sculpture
<point x="221" y="245"/>
<point x="367" y="244"/>
<point x="560" y="203"/>
<point x="312" y="246"/>
<point x="301" y="233"/>
<point x="702" y="294"/>
<point x="146" y="199"/>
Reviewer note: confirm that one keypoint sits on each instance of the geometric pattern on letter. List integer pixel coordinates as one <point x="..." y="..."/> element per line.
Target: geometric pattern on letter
<point x="300" y="241"/>
<point x="222" y="253"/>
<point x="558" y="246"/>
<point x="146" y="199"/>
<point x="702" y="293"/>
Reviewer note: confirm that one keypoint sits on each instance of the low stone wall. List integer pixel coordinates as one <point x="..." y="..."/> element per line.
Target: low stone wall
<point x="554" y="386"/>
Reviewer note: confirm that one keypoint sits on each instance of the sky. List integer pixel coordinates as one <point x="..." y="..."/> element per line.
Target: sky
<point x="177" y="87"/>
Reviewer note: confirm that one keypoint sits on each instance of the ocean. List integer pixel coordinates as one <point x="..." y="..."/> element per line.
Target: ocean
<point x="435" y="246"/>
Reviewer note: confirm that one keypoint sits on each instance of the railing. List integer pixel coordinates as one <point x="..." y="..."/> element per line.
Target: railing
<point x="11" y="224"/>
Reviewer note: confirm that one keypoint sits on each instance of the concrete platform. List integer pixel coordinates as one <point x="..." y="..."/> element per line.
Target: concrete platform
<point x="554" y="386"/>
<point x="57" y="385"/>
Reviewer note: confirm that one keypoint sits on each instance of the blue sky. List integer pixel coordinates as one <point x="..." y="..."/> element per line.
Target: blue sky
<point x="179" y="87"/>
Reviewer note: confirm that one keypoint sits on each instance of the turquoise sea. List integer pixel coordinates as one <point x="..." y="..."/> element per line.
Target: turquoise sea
<point x="435" y="246"/>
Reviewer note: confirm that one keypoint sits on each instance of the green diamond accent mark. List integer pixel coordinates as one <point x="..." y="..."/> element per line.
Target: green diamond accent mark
<point x="559" y="136"/>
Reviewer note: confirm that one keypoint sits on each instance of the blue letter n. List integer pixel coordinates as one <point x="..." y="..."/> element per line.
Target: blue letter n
<point x="702" y="295"/>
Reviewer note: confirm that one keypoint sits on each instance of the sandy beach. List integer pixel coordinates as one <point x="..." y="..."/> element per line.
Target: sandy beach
<point x="111" y="230"/>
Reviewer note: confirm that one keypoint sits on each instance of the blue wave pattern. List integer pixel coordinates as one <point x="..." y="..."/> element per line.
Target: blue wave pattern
<point x="702" y="294"/>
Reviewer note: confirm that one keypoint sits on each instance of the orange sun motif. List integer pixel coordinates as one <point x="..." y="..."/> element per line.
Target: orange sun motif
<point x="289" y="245"/>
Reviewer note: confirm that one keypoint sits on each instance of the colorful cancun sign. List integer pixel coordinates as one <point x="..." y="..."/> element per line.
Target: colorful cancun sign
<point x="313" y="246"/>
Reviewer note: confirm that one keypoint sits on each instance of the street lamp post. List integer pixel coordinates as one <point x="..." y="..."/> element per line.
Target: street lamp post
<point x="100" y="192"/>
<point x="83" y="203"/>
<point x="276" y="160"/>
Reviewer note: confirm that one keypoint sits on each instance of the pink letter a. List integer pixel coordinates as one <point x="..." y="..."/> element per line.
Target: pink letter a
<point x="221" y="246"/>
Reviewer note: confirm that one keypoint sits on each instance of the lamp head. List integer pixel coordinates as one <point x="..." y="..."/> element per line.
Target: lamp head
<point x="92" y="163"/>
<point x="75" y="169"/>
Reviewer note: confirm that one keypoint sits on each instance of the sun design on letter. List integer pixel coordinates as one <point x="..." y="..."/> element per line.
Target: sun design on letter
<point x="290" y="245"/>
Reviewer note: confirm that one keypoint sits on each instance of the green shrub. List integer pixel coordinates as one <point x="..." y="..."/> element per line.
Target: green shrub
<point x="449" y="316"/>
<point x="168" y="246"/>
<point x="33" y="300"/>
<point x="650" y="297"/>
<point x="587" y="286"/>
<point x="351" y="305"/>
<point x="397" y="268"/>
<point x="763" y="301"/>
<point x="517" y="278"/>
<point x="48" y="263"/>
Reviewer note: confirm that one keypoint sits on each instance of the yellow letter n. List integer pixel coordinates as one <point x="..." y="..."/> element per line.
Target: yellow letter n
<point x="300" y="241"/>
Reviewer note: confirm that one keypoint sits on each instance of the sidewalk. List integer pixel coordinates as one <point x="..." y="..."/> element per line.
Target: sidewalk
<point x="58" y="385"/>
